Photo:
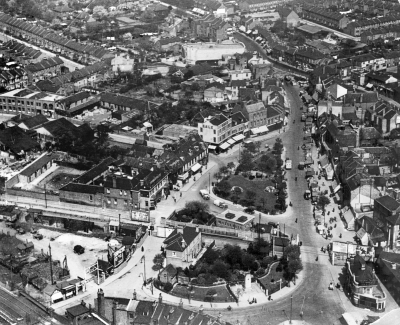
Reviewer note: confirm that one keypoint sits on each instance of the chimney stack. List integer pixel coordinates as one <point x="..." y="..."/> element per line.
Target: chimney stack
<point x="100" y="302"/>
<point x="160" y="298"/>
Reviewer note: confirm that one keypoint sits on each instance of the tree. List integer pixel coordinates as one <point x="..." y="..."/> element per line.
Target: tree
<point x="251" y="146"/>
<point x="224" y="170"/>
<point x="248" y="261"/>
<point x="220" y="269"/>
<point x="224" y="188"/>
<point x="158" y="261"/>
<point x="210" y="294"/>
<point x="292" y="261"/>
<point x="271" y="163"/>
<point x="210" y="256"/>
<point x="233" y="254"/>
<point x="257" y="145"/>
<point x="278" y="146"/>
<point x="323" y="201"/>
<point x="246" y="161"/>
<point x="195" y="207"/>
<point x="99" y="11"/>
<point x="195" y="86"/>
<point x="168" y="287"/>
<point x="231" y="165"/>
<point x="263" y="201"/>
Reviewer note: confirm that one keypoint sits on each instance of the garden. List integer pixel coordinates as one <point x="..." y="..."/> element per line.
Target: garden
<point x="249" y="184"/>
<point x="196" y="212"/>
<point x="209" y="280"/>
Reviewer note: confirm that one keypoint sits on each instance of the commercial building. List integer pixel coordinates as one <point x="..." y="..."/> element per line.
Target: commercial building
<point x="217" y="129"/>
<point x="30" y="102"/>
<point x="232" y="220"/>
<point x="195" y="52"/>
<point x="363" y="285"/>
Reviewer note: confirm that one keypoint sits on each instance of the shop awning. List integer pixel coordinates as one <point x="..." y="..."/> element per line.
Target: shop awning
<point x="114" y="223"/>
<point x="224" y="146"/>
<point x="238" y="137"/>
<point x="211" y="147"/>
<point x="329" y="172"/>
<point x="324" y="161"/>
<point x="255" y="131"/>
<point x="263" y="129"/>
<point x="231" y="141"/>
<point x="337" y="188"/>
<point x="195" y="167"/>
<point x="369" y="85"/>
<point x="183" y="176"/>
<point x="361" y="233"/>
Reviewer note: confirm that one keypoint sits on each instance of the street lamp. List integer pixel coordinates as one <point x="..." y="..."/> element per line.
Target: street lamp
<point x="143" y="260"/>
<point x="347" y="251"/>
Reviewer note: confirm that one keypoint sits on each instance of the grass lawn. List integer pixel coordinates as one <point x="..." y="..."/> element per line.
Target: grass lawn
<point x="273" y="275"/>
<point x="200" y="293"/>
<point x="257" y="185"/>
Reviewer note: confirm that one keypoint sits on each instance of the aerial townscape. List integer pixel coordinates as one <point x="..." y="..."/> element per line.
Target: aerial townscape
<point x="199" y="162"/>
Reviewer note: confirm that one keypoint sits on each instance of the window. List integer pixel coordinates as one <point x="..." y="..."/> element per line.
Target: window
<point x="125" y="193"/>
<point x="120" y="192"/>
<point x="125" y="202"/>
<point x="108" y="191"/>
<point x="173" y="254"/>
<point x="91" y="197"/>
<point x="215" y="132"/>
<point x="201" y="129"/>
<point x="115" y="201"/>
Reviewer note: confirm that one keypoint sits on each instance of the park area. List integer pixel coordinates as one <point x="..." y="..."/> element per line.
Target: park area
<point x="253" y="190"/>
<point x="258" y="182"/>
<point x="274" y="280"/>
<point x="217" y="293"/>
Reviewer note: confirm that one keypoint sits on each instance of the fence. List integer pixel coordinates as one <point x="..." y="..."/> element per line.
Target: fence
<point x="70" y="208"/>
<point x="212" y="230"/>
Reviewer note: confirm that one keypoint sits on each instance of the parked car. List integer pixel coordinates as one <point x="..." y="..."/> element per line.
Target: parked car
<point x="10" y="224"/>
<point x="38" y="236"/>
<point x="33" y="231"/>
<point x="78" y="249"/>
<point x="21" y="231"/>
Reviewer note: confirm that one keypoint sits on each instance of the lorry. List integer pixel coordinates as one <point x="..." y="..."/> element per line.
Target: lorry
<point x="220" y="204"/>
<point x="204" y="194"/>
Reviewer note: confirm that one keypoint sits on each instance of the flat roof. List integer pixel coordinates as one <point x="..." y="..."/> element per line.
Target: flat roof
<point x="236" y="216"/>
<point x="213" y="45"/>
<point x="310" y="29"/>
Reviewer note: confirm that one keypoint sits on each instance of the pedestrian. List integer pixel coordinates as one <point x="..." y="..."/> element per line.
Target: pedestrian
<point x="295" y="220"/>
<point x="181" y="194"/>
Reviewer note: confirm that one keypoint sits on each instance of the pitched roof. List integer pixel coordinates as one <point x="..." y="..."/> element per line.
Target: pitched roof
<point x="77" y="310"/>
<point x="17" y="140"/>
<point x="34" y="121"/>
<point x="388" y="202"/>
<point x="176" y="238"/>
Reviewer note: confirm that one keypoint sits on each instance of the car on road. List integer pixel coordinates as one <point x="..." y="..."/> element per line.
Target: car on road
<point x="10" y="224"/>
<point x="78" y="249"/>
<point x="21" y="231"/>
<point x="38" y="236"/>
<point x="273" y="224"/>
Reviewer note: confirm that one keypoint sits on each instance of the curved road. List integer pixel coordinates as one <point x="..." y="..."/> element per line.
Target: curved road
<point x="320" y="305"/>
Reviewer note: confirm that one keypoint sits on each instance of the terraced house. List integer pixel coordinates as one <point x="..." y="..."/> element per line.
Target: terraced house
<point x="13" y="78"/>
<point x="40" y="36"/>
<point x="325" y="17"/>
<point x="357" y="28"/>
<point x="259" y="5"/>
<point x="48" y="67"/>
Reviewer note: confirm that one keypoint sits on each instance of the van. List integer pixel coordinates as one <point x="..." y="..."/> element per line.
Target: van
<point x="288" y="164"/>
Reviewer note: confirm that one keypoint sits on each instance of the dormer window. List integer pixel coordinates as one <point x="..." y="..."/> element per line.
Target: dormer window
<point x="108" y="191"/>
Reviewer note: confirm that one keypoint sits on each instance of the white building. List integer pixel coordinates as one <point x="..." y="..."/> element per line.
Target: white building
<point x="244" y="74"/>
<point x="194" y="52"/>
<point x="122" y="63"/>
<point x="216" y="129"/>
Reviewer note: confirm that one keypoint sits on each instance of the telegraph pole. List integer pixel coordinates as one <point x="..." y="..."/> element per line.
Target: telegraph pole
<point x="51" y="266"/>
<point x="291" y="306"/>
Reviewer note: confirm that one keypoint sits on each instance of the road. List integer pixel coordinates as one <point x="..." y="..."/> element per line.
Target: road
<point x="71" y="65"/>
<point x="344" y="35"/>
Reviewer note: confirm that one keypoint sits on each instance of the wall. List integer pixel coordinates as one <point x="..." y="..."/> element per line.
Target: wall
<point x="12" y="181"/>
<point x="82" y="198"/>
<point x="31" y="194"/>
